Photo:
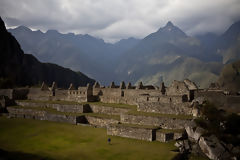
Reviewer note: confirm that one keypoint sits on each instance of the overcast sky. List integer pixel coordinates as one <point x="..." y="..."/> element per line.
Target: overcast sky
<point x="116" y="19"/>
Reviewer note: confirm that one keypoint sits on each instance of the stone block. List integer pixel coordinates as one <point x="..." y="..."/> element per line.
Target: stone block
<point x="164" y="137"/>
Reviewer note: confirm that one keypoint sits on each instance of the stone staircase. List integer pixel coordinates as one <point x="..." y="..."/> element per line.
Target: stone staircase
<point x="120" y="120"/>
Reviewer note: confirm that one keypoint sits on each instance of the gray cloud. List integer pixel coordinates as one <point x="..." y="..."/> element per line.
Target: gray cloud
<point x="116" y="19"/>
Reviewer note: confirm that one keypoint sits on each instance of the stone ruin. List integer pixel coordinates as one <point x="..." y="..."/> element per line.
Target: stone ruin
<point x="179" y="98"/>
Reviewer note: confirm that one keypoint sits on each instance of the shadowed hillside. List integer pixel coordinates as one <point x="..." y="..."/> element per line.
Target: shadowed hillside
<point x="230" y="77"/>
<point x="19" y="69"/>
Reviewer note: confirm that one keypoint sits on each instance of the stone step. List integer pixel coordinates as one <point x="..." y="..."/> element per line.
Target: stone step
<point x="163" y="121"/>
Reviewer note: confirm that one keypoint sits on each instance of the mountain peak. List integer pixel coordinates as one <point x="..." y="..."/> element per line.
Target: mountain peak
<point x="52" y="32"/>
<point x="23" y="28"/>
<point x="169" y="24"/>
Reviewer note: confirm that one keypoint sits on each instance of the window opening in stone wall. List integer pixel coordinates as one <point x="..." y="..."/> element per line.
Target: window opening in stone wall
<point x="122" y="93"/>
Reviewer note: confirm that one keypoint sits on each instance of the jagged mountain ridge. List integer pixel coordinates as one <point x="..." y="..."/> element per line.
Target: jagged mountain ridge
<point x="167" y="54"/>
<point x="19" y="69"/>
<point x="79" y="52"/>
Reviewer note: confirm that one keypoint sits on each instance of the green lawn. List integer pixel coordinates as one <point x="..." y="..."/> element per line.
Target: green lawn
<point x="33" y="139"/>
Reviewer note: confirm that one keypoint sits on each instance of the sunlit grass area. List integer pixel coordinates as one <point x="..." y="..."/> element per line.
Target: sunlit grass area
<point x="33" y="139"/>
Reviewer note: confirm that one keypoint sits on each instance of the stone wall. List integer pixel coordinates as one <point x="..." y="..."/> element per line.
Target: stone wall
<point x="60" y="95"/>
<point x="163" y="122"/>
<point x="18" y="93"/>
<point x="178" y="88"/>
<point x="126" y="96"/>
<point x="75" y="108"/>
<point x="40" y="115"/>
<point x="165" y="108"/>
<point x="38" y="94"/>
<point x="100" y="121"/>
<point x="107" y="110"/>
<point x="162" y="98"/>
<point x="164" y="137"/>
<point x="132" y="132"/>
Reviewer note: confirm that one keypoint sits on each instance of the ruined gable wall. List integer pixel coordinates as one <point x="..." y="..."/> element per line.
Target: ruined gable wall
<point x="178" y="88"/>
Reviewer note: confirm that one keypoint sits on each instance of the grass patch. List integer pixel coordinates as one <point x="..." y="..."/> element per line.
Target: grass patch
<point x="138" y="113"/>
<point x="71" y="142"/>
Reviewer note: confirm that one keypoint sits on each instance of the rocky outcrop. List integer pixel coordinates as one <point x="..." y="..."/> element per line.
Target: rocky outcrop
<point x="213" y="148"/>
<point x="199" y="142"/>
<point x="194" y="132"/>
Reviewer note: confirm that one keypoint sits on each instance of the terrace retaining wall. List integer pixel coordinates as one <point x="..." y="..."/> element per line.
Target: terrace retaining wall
<point x="163" y="122"/>
<point x="165" y="108"/>
<point x="100" y="121"/>
<point x="42" y="115"/>
<point x="75" y="108"/>
<point x="107" y="110"/>
<point x="132" y="132"/>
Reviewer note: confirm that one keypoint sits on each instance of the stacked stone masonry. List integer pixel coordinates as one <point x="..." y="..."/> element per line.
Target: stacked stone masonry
<point x="147" y="134"/>
<point x="175" y="99"/>
<point x="163" y="122"/>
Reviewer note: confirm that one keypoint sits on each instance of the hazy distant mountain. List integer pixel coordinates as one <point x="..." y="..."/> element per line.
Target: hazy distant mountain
<point x="229" y="44"/>
<point x="19" y="69"/>
<point x="166" y="54"/>
<point x="79" y="52"/>
<point x="230" y="77"/>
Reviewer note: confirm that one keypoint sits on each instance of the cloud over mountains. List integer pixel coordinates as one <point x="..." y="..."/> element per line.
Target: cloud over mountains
<point x="114" y="20"/>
